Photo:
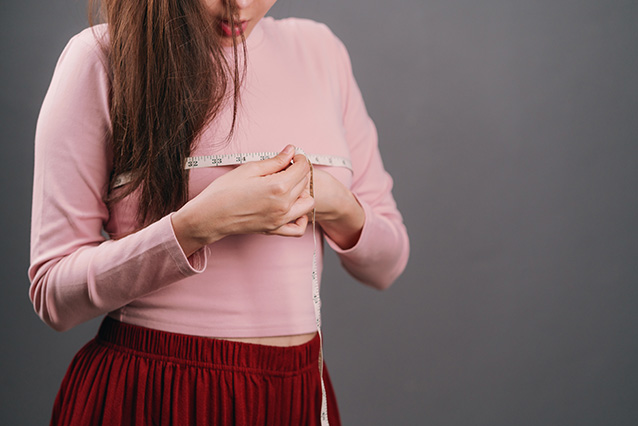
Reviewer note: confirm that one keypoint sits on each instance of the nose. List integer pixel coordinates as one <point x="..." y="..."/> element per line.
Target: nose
<point x="242" y="4"/>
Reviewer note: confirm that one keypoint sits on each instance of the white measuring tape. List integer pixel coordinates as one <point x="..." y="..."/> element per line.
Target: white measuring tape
<point x="219" y="160"/>
<point x="316" y="299"/>
<point x="238" y="159"/>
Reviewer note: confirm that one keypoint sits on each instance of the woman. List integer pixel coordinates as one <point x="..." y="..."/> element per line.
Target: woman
<point x="210" y="318"/>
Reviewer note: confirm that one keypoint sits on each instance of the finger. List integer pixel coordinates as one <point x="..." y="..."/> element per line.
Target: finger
<point x="289" y="182"/>
<point x="298" y="158"/>
<point x="301" y="207"/>
<point x="297" y="172"/>
<point x="301" y="187"/>
<point x="292" y="229"/>
<point x="276" y="164"/>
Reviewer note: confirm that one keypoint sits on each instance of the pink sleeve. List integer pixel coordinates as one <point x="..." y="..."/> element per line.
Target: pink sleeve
<point x="76" y="274"/>
<point x="382" y="251"/>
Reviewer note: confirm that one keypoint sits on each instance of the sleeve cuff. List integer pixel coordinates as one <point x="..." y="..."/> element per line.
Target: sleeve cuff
<point x="191" y="265"/>
<point x="365" y="231"/>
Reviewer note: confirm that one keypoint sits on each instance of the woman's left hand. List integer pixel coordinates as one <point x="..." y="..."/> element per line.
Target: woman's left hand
<point x="337" y="210"/>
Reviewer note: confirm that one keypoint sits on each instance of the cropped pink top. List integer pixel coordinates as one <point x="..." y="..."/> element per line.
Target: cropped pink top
<point x="85" y="261"/>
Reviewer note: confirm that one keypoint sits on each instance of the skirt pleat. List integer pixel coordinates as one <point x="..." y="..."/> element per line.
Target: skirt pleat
<point x="131" y="375"/>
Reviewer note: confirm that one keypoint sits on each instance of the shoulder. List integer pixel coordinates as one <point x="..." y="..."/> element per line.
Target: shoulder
<point x="86" y="49"/>
<point x="92" y="37"/>
<point x="309" y="41"/>
<point x="298" y="27"/>
<point x="81" y="79"/>
<point x="305" y="32"/>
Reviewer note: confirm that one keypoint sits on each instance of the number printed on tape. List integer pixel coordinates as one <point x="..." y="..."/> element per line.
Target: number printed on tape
<point x="204" y="161"/>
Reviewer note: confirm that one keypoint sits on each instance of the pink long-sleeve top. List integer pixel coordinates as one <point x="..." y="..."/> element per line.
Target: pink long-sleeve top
<point x="85" y="261"/>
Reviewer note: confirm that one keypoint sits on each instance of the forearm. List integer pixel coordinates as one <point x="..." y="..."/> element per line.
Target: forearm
<point x="73" y="281"/>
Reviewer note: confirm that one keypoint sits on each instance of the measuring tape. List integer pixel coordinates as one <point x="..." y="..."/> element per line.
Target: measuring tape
<point x="313" y="159"/>
<point x="218" y="160"/>
<point x="316" y="299"/>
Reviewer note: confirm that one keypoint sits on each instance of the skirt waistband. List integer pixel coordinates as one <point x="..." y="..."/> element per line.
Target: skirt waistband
<point x="207" y="352"/>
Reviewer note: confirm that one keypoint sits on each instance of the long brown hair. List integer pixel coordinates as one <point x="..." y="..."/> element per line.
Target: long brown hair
<point x="170" y="78"/>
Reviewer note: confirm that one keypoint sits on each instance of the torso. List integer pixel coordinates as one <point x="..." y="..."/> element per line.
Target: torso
<point x="258" y="288"/>
<point x="293" y="340"/>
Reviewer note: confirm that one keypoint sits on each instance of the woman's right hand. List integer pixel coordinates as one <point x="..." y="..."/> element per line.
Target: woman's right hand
<point x="270" y="196"/>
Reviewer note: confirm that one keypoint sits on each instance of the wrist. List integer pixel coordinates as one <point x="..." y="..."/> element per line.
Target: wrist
<point x="189" y="233"/>
<point x="344" y="225"/>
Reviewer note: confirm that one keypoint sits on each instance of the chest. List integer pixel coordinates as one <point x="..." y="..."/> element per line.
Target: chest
<point x="280" y="104"/>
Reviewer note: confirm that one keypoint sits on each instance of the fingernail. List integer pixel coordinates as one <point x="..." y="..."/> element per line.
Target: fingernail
<point x="289" y="149"/>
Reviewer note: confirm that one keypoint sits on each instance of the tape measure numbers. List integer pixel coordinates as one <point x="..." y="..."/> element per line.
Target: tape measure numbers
<point x="218" y="160"/>
<point x="236" y="159"/>
<point x="316" y="300"/>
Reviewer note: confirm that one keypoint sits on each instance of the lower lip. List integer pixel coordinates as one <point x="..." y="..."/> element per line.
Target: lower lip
<point x="234" y="31"/>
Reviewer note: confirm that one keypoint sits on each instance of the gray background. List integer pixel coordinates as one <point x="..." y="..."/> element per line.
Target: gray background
<point x="510" y="129"/>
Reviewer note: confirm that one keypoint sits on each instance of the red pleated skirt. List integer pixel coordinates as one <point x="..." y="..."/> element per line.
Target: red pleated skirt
<point x="131" y="375"/>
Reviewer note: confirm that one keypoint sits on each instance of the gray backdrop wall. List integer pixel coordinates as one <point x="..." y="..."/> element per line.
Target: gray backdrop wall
<point x="510" y="129"/>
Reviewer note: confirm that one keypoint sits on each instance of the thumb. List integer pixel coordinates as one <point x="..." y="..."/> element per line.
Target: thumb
<point x="277" y="163"/>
